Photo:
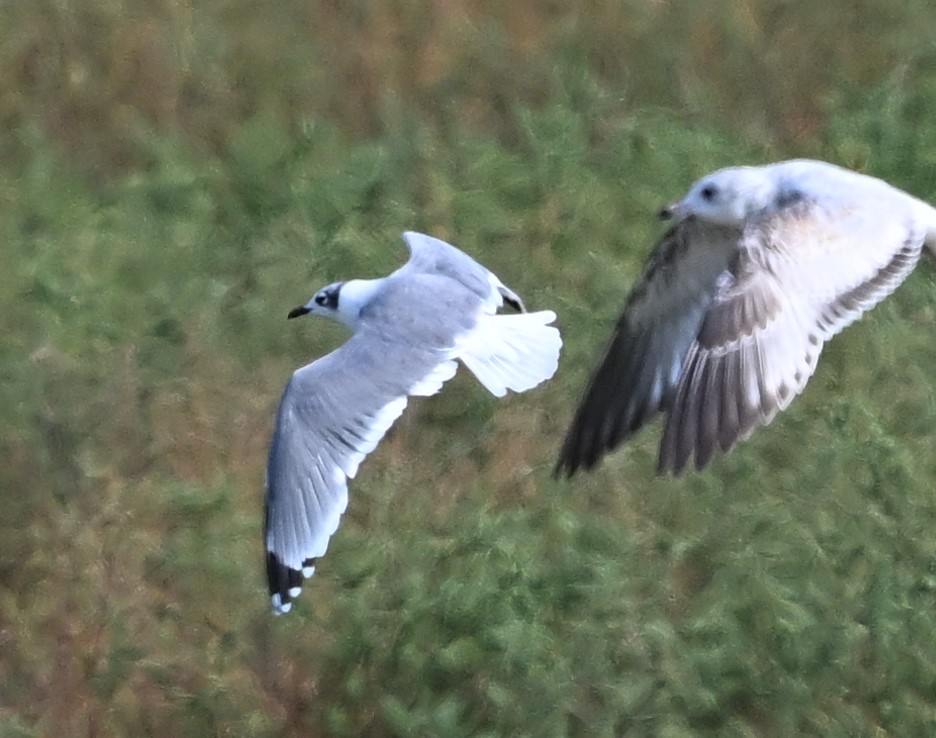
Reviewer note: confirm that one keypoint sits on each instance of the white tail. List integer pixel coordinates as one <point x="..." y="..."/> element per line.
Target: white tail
<point x="514" y="352"/>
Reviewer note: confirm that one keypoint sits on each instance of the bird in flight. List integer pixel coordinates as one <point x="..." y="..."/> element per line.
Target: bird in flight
<point x="409" y="328"/>
<point x="761" y="266"/>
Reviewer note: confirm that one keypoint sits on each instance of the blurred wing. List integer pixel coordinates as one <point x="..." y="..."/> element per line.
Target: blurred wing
<point x="642" y="362"/>
<point x="332" y="414"/>
<point x="802" y="275"/>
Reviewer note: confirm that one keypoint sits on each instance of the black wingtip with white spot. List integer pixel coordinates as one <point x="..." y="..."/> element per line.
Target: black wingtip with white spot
<point x="285" y="582"/>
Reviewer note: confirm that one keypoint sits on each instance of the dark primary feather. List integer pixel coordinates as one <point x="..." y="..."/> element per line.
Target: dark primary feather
<point x="282" y="579"/>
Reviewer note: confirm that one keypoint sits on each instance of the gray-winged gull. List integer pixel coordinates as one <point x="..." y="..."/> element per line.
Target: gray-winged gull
<point x="408" y="331"/>
<point x="761" y="267"/>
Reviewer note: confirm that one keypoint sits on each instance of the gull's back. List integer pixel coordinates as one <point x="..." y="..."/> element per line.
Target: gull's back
<point x="422" y="309"/>
<point x="831" y="186"/>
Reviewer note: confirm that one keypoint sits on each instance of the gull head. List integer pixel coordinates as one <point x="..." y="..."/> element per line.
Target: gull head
<point x="727" y="197"/>
<point x="341" y="301"/>
<point x="325" y="302"/>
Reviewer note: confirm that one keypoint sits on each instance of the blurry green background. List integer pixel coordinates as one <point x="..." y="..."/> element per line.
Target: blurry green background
<point x="175" y="176"/>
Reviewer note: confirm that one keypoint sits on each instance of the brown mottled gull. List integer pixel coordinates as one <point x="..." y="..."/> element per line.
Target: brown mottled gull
<point x="761" y="267"/>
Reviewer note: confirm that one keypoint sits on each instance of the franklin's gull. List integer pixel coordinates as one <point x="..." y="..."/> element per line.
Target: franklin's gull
<point x="408" y="330"/>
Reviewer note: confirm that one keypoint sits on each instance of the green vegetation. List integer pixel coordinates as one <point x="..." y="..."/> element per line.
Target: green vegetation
<point x="176" y="178"/>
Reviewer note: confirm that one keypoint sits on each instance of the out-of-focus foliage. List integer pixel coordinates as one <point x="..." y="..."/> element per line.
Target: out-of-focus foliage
<point x="94" y="74"/>
<point x="176" y="177"/>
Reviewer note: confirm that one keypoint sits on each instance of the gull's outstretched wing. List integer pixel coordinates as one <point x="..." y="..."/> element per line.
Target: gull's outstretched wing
<point x="430" y="255"/>
<point x="641" y="365"/>
<point x="333" y="413"/>
<point x="802" y="274"/>
<point x="335" y="410"/>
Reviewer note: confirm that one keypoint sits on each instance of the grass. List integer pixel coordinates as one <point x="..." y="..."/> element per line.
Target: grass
<point x="159" y="221"/>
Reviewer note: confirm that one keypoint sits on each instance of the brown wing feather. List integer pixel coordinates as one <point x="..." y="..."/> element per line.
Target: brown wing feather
<point x="641" y="364"/>
<point x="799" y="279"/>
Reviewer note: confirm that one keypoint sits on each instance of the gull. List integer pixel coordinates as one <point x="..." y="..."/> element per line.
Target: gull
<point x="762" y="266"/>
<point x="409" y="328"/>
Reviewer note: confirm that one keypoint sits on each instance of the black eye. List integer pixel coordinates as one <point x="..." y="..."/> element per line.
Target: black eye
<point x="708" y="192"/>
<point x="320" y="299"/>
